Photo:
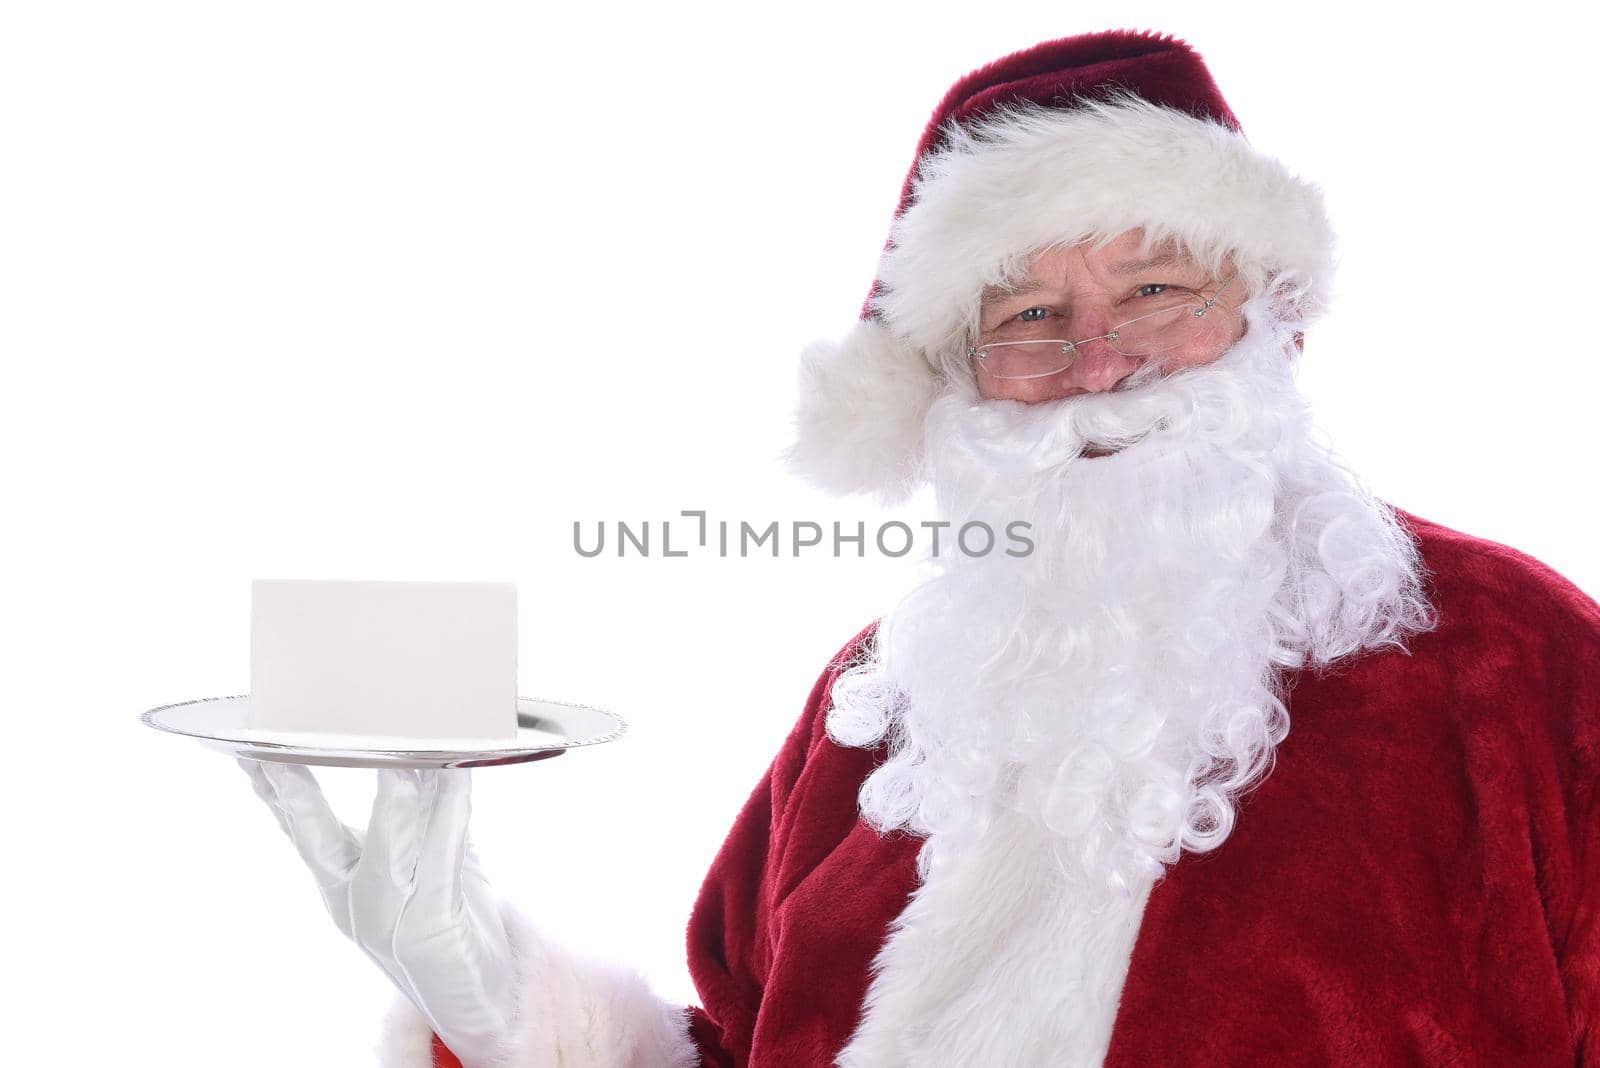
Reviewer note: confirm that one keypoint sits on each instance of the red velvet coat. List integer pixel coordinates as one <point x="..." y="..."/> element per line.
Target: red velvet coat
<point x="1416" y="882"/>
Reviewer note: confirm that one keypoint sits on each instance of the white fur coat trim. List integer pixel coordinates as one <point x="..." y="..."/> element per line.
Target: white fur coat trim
<point x="997" y="960"/>
<point x="572" y="1011"/>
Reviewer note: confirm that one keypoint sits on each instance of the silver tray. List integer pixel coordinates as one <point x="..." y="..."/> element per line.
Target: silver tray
<point x="544" y="729"/>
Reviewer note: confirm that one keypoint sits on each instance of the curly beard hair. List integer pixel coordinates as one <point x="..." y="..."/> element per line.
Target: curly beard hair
<point x="1122" y="684"/>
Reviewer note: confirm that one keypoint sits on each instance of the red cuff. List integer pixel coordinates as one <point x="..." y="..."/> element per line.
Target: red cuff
<point x="442" y="1057"/>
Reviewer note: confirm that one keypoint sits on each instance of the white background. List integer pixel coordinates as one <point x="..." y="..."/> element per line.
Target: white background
<point x="400" y="291"/>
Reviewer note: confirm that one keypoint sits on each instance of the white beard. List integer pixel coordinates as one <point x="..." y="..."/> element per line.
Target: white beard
<point x="1083" y="714"/>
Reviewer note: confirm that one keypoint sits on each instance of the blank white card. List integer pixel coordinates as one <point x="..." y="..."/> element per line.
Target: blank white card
<point x="420" y="660"/>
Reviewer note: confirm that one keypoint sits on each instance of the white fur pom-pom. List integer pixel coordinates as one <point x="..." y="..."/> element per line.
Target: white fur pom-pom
<point x="859" y="421"/>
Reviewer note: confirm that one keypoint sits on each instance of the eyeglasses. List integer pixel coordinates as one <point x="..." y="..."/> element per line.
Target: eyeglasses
<point x="1176" y="326"/>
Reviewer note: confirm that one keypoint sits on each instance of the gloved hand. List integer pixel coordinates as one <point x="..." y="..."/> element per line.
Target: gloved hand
<point x="411" y="895"/>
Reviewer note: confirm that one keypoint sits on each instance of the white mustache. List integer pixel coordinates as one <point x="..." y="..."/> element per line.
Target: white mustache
<point x="1013" y="439"/>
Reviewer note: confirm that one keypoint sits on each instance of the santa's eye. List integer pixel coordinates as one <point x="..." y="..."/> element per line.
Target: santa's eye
<point x="1033" y="315"/>
<point x="1146" y="289"/>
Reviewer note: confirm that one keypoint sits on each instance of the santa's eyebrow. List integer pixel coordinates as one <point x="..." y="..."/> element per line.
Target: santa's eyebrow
<point x="1135" y="266"/>
<point x="995" y="293"/>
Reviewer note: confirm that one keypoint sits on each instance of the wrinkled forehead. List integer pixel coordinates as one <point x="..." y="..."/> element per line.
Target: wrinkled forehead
<point x="1103" y="261"/>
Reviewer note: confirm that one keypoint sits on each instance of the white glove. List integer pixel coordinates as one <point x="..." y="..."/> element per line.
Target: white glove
<point x="412" y="896"/>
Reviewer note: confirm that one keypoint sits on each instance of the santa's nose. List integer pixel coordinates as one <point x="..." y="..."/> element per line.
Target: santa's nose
<point x="1099" y="367"/>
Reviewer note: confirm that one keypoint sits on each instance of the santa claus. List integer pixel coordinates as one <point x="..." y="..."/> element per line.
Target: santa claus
<point x="1235" y="764"/>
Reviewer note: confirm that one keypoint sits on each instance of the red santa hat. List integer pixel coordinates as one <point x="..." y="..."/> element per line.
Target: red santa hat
<point x="1076" y="139"/>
